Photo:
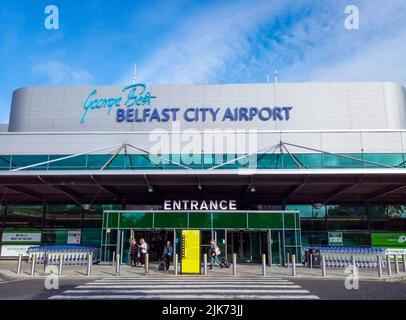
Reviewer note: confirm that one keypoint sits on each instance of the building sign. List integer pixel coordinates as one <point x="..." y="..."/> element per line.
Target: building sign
<point x="397" y="252"/>
<point x="14" y="250"/>
<point x="200" y="205"/>
<point x="21" y="236"/>
<point x="74" y="236"/>
<point x="387" y="239"/>
<point x="136" y="105"/>
<point x="190" y="260"/>
<point x="335" y="238"/>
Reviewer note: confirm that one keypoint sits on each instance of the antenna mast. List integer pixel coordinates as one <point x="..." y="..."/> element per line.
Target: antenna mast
<point x="134" y="77"/>
<point x="274" y="86"/>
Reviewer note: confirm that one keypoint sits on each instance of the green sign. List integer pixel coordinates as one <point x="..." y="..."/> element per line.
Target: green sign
<point x="335" y="238"/>
<point x="21" y="236"/>
<point x="385" y="239"/>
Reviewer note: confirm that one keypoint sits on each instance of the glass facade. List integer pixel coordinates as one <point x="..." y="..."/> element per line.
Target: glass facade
<point x="204" y="161"/>
<point x="356" y="223"/>
<point x="54" y="221"/>
<point x="246" y="233"/>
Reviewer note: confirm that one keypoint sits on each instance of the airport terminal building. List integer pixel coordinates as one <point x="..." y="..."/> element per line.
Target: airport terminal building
<point x="261" y="168"/>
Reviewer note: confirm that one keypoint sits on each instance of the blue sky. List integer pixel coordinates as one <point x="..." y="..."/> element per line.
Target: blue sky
<point x="189" y="41"/>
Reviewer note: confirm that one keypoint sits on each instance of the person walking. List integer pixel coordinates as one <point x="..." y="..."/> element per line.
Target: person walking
<point x="134" y="252"/>
<point x="167" y="254"/>
<point x="143" y="251"/>
<point x="214" y="254"/>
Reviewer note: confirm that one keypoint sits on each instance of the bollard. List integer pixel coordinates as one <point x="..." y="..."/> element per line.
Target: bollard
<point x="388" y="265"/>
<point x="379" y="266"/>
<point x="60" y="269"/>
<point x="20" y="260"/>
<point x="89" y="264"/>
<point x="176" y="264"/>
<point x="353" y="262"/>
<point x="396" y="264"/>
<point x="234" y="264"/>
<point x="311" y="260"/>
<point x="323" y="266"/>
<point x="404" y="262"/>
<point x="263" y="265"/>
<point x="147" y="263"/>
<point x="33" y="261"/>
<point x="117" y="265"/>
<point x="293" y="265"/>
<point x="205" y="264"/>
<point x="45" y="262"/>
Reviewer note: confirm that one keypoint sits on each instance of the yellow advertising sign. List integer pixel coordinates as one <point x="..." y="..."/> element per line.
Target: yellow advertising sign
<point x="190" y="262"/>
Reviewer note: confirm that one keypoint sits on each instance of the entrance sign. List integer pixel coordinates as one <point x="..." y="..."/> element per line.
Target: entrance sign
<point x="190" y="260"/>
<point x="335" y="238"/>
<point x="201" y="205"/>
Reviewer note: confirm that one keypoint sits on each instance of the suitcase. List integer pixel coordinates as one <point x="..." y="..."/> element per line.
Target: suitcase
<point x="161" y="266"/>
<point x="225" y="263"/>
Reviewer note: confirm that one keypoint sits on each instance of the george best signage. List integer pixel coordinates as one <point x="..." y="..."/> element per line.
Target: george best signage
<point x="136" y="104"/>
<point x="200" y="205"/>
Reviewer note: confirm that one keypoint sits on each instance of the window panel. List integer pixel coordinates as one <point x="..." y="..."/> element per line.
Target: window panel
<point x="63" y="216"/>
<point x="393" y="160"/>
<point x="334" y="161"/>
<point x="24" y="216"/>
<point x="74" y="163"/>
<point x="346" y="212"/>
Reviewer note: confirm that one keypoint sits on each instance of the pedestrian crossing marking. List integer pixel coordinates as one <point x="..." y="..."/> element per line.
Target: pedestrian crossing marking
<point x="117" y="288"/>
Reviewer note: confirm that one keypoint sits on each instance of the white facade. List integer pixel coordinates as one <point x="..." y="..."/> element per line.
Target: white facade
<point x="329" y="117"/>
<point x="315" y="106"/>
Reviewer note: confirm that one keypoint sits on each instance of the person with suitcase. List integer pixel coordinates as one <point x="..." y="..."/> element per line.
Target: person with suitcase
<point x="167" y="255"/>
<point x="214" y="254"/>
<point x="225" y="263"/>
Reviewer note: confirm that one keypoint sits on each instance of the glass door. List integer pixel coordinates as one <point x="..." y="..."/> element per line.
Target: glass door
<point x="277" y="247"/>
<point x="109" y="244"/>
<point x="220" y="238"/>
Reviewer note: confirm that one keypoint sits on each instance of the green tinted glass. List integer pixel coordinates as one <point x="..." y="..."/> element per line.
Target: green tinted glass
<point x="170" y="220"/>
<point x="136" y="220"/>
<point x="265" y="220"/>
<point x="344" y="161"/>
<point x="5" y="162"/>
<point x="229" y="220"/>
<point x="391" y="160"/>
<point x="199" y="220"/>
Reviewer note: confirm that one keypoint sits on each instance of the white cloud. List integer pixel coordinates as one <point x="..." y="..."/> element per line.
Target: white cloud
<point x="229" y="44"/>
<point x="374" y="53"/>
<point x="57" y="73"/>
<point x="383" y="60"/>
<point x="204" y="44"/>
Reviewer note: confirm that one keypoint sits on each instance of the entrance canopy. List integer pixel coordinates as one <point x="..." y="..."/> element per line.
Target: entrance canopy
<point x="152" y="187"/>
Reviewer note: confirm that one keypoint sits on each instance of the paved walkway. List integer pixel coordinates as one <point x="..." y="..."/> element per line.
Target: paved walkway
<point x="8" y="272"/>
